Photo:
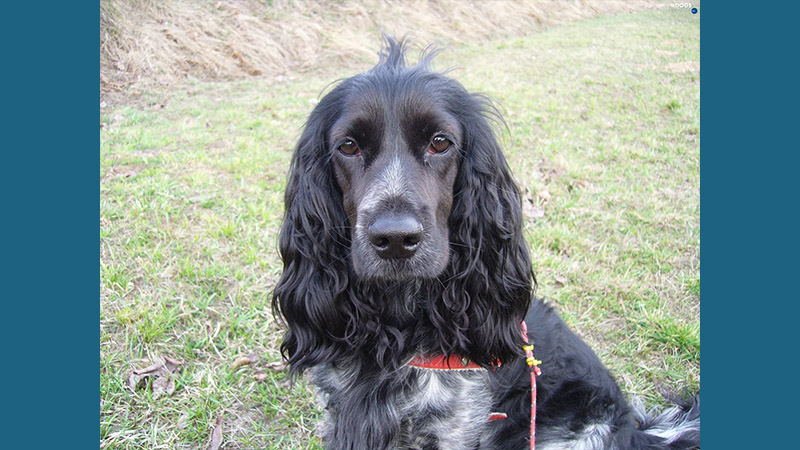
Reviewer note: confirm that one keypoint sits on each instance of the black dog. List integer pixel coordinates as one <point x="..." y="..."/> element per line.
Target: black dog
<point x="402" y="244"/>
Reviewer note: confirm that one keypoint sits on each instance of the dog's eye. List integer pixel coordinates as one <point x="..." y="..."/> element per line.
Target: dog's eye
<point x="349" y="147"/>
<point x="439" y="144"/>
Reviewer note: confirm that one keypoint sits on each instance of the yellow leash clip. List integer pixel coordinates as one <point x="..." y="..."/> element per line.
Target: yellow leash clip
<point x="532" y="362"/>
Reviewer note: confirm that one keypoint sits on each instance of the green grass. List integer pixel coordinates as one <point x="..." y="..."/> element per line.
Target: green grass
<point x="601" y="114"/>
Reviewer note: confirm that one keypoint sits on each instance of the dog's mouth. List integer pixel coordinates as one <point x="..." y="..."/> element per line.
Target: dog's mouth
<point x="377" y="269"/>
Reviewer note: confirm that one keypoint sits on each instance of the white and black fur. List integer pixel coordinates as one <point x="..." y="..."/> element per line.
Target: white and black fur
<point x="403" y="235"/>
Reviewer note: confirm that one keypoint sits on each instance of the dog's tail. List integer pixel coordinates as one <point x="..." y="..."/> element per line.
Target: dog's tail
<point x="677" y="428"/>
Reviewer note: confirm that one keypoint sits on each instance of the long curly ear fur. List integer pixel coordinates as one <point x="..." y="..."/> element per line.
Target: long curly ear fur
<point x="313" y="245"/>
<point x="489" y="282"/>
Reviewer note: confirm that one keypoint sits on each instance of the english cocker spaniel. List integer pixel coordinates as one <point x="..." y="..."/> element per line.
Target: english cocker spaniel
<point x="406" y="279"/>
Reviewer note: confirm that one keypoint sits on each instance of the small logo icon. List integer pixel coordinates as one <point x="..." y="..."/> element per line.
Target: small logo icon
<point x="694" y="10"/>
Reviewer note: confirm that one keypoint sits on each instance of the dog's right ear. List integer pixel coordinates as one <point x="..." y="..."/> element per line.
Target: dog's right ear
<point x="313" y="245"/>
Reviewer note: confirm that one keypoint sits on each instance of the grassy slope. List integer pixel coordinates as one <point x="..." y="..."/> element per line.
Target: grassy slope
<point x="603" y="115"/>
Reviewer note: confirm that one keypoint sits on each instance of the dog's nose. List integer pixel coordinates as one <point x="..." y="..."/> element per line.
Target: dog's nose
<point x="395" y="236"/>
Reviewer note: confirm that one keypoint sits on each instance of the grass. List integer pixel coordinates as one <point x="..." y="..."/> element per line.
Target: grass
<point x="602" y="115"/>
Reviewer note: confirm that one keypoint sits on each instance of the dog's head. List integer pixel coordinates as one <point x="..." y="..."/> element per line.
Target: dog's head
<point x="398" y="179"/>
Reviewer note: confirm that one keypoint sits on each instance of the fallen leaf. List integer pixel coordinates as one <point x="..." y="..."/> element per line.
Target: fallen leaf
<point x="216" y="435"/>
<point x="560" y="280"/>
<point x="160" y="376"/>
<point x="260" y="375"/>
<point x="240" y="361"/>
<point x="172" y="363"/>
<point x="136" y="382"/>
<point x="163" y="385"/>
<point x="532" y="211"/>
<point x="544" y="195"/>
<point x="153" y="368"/>
<point x="279" y="366"/>
<point x="244" y="360"/>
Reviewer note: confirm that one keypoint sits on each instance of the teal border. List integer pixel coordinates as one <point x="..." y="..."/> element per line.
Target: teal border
<point x="50" y="224"/>
<point x="749" y="204"/>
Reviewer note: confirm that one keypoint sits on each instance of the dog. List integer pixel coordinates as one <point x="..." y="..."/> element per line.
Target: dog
<point x="406" y="280"/>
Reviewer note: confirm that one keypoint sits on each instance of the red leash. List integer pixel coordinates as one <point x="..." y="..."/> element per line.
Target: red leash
<point x="533" y="363"/>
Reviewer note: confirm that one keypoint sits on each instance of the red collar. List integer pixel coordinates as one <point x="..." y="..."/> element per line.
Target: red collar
<point x="441" y="362"/>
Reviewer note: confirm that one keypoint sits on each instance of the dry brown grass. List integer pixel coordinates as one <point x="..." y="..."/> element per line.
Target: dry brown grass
<point x="151" y="43"/>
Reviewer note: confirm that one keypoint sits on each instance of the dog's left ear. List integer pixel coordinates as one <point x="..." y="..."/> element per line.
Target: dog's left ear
<point x="489" y="284"/>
